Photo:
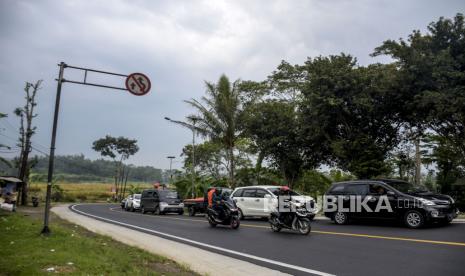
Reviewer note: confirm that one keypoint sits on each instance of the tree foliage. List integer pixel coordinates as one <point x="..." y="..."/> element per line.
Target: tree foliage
<point x="219" y="116"/>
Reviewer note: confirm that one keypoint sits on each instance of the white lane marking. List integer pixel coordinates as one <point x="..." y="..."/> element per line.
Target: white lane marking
<point x="253" y="257"/>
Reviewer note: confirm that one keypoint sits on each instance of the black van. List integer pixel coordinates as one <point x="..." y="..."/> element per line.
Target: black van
<point x="387" y="199"/>
<point x="161" y="202"/>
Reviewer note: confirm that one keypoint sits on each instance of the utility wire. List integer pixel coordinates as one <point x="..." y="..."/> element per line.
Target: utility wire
<point x="8" y="124"/>
<point x="33" y="147"/>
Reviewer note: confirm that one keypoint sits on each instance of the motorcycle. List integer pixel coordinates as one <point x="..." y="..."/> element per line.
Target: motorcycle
<point x="229" y="216"/>
<point x="295" y="220"/>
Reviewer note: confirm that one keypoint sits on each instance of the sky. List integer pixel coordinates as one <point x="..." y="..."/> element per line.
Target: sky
<point x="179" y="45"/>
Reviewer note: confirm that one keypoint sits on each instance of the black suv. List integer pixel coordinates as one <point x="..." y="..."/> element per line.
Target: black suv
<point x="387" y="199"/>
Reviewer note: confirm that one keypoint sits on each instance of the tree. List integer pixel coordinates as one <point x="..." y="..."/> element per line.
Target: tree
<point x="209" y="158"/>
<point x="448" y="159"/>
<point x="118" y="149"/>
<point x="219" y="117"/>
<point x="432" y="82"/>
<point x="347" y="114"/>
<point x="26" y="130"/>
<point x="273" y="127"/>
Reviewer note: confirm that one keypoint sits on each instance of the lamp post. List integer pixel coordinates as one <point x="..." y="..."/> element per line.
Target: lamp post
<point x="192" y="128"/>
<point x="171" y="172"/>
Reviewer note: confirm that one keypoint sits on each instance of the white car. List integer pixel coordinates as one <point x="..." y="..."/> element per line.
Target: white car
<point x="132" y="203"/>
<point x="253" y="201"/>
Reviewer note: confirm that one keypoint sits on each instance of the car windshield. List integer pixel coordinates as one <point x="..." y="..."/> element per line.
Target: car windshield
<point x="169" y="194"/>
<point x="275" y="191"/>
<point x="137" y="196"/>
<point x="407" y="187"/>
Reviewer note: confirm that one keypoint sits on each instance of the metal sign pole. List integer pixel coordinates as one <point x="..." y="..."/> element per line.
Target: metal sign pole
<point x="137" y="83"/>
<point x="46" y="229"/>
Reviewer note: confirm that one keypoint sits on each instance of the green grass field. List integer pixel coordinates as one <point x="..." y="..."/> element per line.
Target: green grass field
<point x="83" y="192"/>
<point x="70" y="249"/>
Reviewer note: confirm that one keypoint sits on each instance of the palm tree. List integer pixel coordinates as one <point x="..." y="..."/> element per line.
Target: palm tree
<point x="218" y="118"/>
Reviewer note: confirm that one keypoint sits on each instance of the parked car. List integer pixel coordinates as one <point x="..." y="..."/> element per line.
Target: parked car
<point x="123" y="202"/>
<point x="411" y="204"/>
<point x="161" y="202"/>
<point x="251" y="201"/>
<point x="132" y="202"/>
<point x="199" y="204"/>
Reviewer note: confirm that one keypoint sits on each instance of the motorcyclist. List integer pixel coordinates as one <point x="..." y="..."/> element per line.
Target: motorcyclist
<point x="210" y="194"/>
<point x="217" y="201"/>
<point x="284" y="196"/>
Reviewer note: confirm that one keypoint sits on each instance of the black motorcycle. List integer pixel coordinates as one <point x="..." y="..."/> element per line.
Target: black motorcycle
<point x="296" y="220"/>
<point x="228" y="216"/>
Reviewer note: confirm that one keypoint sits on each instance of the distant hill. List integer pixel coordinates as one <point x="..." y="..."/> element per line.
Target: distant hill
<point x="77" y="168"/>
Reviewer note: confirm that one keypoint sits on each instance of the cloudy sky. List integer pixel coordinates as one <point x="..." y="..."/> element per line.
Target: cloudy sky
<point x="179" y="45"/>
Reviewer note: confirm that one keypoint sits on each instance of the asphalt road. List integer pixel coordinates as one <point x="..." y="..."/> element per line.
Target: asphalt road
<point x="356" y="249"/>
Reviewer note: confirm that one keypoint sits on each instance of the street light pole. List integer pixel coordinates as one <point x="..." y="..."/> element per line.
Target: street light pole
<point x="171" y="172"/>
<point x="192" y="128"/>
<point x="193" y="160"/>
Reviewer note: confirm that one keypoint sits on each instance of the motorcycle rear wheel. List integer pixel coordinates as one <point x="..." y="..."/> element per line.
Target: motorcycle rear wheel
<point x="212" y="223"/>
<point x="274" y="224"/>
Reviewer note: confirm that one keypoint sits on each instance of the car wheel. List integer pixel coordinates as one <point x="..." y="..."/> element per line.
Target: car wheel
<point x="132" y="208"/>
<point x="181" y="213"/>
<point x="241" y="215"/>
<point x="191" y="211"/>
<point x="414" y="219"/>
<point x="142" y="210"/>
<point x="340" y="218"/>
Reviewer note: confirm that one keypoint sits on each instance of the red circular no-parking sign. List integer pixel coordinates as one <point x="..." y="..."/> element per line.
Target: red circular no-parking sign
<point x="138" y="84"/>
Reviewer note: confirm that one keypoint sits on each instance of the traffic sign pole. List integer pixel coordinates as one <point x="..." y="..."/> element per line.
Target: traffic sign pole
<point x="46" y="229"/>
<point x="137" y="79"/>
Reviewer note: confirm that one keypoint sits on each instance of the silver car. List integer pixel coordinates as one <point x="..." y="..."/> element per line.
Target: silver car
<point x="132" y="203"/>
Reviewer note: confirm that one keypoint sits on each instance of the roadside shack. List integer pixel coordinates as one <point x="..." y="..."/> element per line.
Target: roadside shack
<point x="9" y="187"/>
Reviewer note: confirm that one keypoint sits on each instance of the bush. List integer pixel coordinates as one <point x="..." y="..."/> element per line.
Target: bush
<point x="57" y="193"/>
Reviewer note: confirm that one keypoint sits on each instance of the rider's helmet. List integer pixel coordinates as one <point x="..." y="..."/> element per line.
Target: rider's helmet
<point x="284" y="190"/>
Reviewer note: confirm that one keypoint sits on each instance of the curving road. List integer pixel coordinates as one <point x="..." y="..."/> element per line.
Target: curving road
<point x="360" y="249"/>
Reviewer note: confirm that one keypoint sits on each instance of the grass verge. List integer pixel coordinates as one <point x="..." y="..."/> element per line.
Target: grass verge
<point x="71" y="249"/>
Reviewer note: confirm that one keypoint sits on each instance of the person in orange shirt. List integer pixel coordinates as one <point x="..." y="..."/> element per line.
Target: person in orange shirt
<point x="210" y="197"/>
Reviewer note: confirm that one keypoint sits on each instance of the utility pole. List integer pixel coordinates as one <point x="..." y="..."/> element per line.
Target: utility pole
<point x="171" y="172"/>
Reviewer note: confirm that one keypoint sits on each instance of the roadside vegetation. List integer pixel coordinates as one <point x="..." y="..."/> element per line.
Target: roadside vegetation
<point x="83" y="192"/>
<point x="71" y="250"/>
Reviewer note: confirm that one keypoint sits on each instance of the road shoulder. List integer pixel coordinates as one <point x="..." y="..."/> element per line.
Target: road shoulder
<point x="198" y="260"/>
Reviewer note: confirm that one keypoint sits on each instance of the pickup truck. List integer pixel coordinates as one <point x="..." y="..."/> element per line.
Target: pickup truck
<point x="199" y="204"/>
<point x="195" y="205"/>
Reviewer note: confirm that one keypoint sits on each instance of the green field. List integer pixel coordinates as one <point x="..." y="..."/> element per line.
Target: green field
<point x="83" y="192"/>
<point x="70" y="249"/>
